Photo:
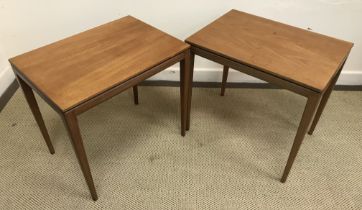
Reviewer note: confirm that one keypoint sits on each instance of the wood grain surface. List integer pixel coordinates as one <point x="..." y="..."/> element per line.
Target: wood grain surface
<point x="297" y="55"/>
<point x="80" y="67"/>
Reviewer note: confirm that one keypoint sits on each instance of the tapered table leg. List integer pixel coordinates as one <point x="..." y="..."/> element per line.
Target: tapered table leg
<point x="135" y="94"/>
<point x="184" y="77"/>
<point x="309" y="111"/>
<point x="190" y="82"/>
<point x="224" y="79"/>
<point x="71" y="123"/>
<point x="30" y="98"/>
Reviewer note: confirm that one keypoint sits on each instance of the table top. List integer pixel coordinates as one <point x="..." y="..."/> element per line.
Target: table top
<point x="297" y="55"/>
<point x="82" y="66"/>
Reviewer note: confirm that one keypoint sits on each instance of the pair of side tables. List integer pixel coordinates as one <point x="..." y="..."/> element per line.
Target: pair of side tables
<point x="77" y="73"/>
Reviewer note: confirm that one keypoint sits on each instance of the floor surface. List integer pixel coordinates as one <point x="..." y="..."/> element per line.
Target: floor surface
<point x="232" y="158"/>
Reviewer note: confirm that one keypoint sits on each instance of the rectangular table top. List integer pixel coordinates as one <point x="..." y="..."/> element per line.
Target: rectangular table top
<point x="82" y="66"/>
<point x="297" y="55"/>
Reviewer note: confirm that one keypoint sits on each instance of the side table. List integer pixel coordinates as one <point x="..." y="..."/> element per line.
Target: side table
<point x="298" y="60"/>
<point x="77" y="73"/>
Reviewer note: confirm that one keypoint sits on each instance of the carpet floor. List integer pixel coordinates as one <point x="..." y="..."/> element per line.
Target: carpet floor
<point x="232" y="157"/>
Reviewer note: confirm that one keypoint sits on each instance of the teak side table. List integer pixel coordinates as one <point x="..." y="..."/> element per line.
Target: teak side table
<point x="298" y="60"/>
<point x="77" y="73"/>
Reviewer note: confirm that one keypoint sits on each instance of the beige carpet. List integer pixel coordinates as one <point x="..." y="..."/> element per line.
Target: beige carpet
<point x="232" y="158"/>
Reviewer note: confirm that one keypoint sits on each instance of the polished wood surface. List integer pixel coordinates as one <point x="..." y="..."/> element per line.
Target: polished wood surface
<point x="100" y="98"/>
<point x="251" y="71"/>
<point x="297" y="55"/>
<point x="73" y="70"/>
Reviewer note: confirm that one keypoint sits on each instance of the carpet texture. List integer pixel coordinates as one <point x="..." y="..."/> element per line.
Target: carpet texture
<point x="232" y="158"/>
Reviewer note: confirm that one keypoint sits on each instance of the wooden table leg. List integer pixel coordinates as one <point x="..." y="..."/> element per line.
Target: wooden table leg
<point x="182" y="95"/>
<point x="135" y="94"/>
<point x="71" y="123"/>
<point x="309" y="111"/>
<point x="184" y="89"/>
<point x="190" y="82"/>
<point x="224" y="79"/>
<point x="30" y="98"/>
